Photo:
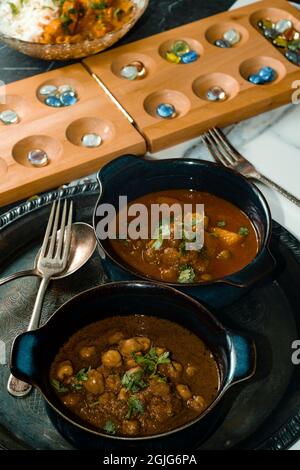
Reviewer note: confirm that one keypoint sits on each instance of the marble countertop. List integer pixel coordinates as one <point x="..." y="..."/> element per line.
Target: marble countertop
<point x="271" y="141"/>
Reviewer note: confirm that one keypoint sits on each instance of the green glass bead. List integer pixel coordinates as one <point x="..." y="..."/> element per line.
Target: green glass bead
<point x="180" y="48"/>
<point x="281" y="42"/>
<point x="294" y="46"/>
<point x="173" y="58"/>
<point x="265" y="23"/>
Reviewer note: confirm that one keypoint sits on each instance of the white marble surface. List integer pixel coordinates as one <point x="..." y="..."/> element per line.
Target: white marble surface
<point x="272" y="142"/>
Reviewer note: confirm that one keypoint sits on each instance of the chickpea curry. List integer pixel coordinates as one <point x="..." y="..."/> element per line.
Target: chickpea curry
<point x="230" y="241"/>
<point x="135" y="376"/>
<point x="80" y="20"/>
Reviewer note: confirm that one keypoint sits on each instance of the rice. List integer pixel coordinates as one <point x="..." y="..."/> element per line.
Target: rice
<point x="24" y="19"/>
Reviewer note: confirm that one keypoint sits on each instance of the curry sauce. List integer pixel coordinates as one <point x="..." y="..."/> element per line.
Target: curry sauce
<point x="230" y="241"/>
<point x="135" y="375"/>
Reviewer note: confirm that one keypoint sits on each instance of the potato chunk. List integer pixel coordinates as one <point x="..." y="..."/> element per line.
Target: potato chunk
<point x="227" y="237"/>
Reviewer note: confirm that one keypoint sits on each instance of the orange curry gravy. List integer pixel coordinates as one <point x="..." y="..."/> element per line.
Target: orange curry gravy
<point x="81" y="20"/>
<point x="135" y="375"/>
<point x="230" y="242"/>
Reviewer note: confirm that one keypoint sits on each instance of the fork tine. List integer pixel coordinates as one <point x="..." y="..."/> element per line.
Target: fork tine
<point x="61" y="231"/>
<point x="230" y="148"/>
<point x="221" y="148"/>
<point x="54" y="232"/>
<point x="68" y="233"/>
<point x="213" y="149"/>
<point x="48" y="230"/>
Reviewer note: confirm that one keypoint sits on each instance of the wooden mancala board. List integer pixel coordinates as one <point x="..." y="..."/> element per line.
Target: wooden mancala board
<point x="123" y="112"/>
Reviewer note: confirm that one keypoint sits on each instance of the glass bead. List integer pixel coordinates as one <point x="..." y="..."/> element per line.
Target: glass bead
<point x="53" y="101"/>
<point x="37" y="157"/>
<point x="129" y="72"/>
<point x="222" y="43"/>
<point x="270" y="33"/>
<point x="47" y="90"/>
<point x="280" y="42"/>
<point x="190" y="57"/>
<point x="292" y="57"/>
<point x="173" y="58"/>
<point x="283" y="25"/>
<point x="256" y="79"/>
<point x="68" y="98"/>
<point x="140" y="67"/>
<point x="267" y="74"/>
<point x="232" y="36"/>
<point x="180" y="48"/>
<point x="265" y="23"/>
<point x="216" y="93"/>
<point x="66" y="88"/>
<point x="166" y="111"/>
<point x="91" y="140"/>
<point x="9" y="116"/>
<point x="294" y="46"/>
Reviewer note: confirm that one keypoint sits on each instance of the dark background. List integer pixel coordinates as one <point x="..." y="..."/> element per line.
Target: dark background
<point x="160" y="16"/>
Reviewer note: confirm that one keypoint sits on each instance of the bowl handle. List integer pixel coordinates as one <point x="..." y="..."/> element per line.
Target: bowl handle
<point x="260" y="268"/>
<point x="243" y="358"/>
<point x="116" y="166"/>
<point x="24" y="363"/>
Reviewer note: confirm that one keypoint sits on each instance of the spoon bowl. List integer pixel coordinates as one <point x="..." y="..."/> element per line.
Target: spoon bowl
<point x="83" y="244"/>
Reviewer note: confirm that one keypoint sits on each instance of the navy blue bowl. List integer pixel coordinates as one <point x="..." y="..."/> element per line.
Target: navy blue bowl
<point x="33" y="352"/>
<point x="134" y="177"/>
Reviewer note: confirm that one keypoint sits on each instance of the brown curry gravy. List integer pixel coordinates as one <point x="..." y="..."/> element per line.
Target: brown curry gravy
<point x="185" y="348"/>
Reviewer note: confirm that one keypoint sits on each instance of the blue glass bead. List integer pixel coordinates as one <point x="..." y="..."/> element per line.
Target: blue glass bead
<point x="53" y="101"/>
<point x="293" y="57"/>
<point x="267" y="74"/>
<point x="189" y="57"/>
<point x="222" y="43"/>
<point x="256" y="79"/>
<point x="68" y="98"/>
<point x="166" y="111"/>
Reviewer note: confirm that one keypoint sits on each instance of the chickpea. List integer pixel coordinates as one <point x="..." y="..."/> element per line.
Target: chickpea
<point x="160" y="389"/>
<point x="144" y="342"/>
<point x="129" y="346"/>
<point x="87" y="352"/>
<point x="113" y="382"/>
<point x="172" y="370"/>
<point x="116" y="337"/>
<point x="112" y="358"/>
<point x="184" y="391"/>
<point x="190" y="370"/>
<point x="197" y="403"/>
<point x="130" y="363"/>
<point x="95" y="382"/>
<point x="130" y="427"/>
<point x="159" y="350"/>
<point x="65" y="369"/>
<point x="72" y="399"/>
<point x="123" y="395"/>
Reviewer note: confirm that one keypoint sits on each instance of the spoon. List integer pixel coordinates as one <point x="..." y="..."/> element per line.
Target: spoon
<point x="83" y="244"/>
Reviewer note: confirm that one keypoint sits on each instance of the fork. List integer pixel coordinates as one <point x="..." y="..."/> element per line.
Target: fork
<point x="52" y="260"/>
<point x="223" y="151"/>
